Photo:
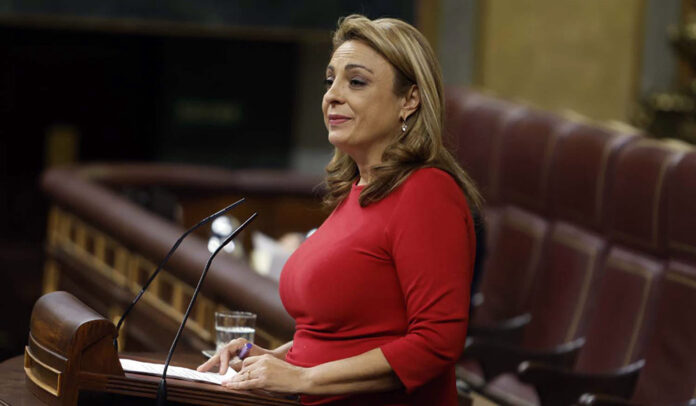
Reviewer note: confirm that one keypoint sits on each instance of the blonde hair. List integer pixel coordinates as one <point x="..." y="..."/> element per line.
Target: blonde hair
<point x="421" y="145"/>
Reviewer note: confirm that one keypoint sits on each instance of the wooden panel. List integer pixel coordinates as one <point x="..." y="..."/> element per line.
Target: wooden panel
<point x="82" y="269"/>
<point x="575" y="54"/>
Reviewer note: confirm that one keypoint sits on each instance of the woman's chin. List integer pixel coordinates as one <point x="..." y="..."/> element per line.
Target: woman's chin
<point x="337" y="139"/>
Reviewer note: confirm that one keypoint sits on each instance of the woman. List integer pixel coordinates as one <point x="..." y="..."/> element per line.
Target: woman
<point x="380" y="291"/>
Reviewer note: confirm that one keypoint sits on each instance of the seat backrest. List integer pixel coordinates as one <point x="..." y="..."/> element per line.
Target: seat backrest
<point x="511" y="270"/>
<point x="583" y="159"/>
<point x="527" y="141"/>
<point x="574" y="262"/>
<point x="638" y="196"/>
<point x="636" y="223"/>
<point x="565" y="286"/>
<point x="581" y="173"/>
<point x="681" y="217"/>
<point x="563" y="297"/>
<point x="669" y="374"/>
<point x="617" y="330"/>
<point x="527" y="146"/>
<point x="472" y="126"/>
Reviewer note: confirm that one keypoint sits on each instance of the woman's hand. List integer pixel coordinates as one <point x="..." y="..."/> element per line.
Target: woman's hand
<point x="270" y="373"/>
<point x="227" y="356"/>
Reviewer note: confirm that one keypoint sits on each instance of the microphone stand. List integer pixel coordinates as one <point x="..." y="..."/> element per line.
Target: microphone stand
<point x="166" y="259"/>
<point x="162" y="390"/>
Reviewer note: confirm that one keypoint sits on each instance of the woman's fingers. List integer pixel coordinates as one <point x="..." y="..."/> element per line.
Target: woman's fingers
<point x="243" y="385"/>
<point x="248" y="372"/>
<point x="209" y="363"/>
<point x="269" y="373"/>
<point x="223" y="357"/>
<point x="236" y="364"/>
<point x="224" y="360"/>
<point x="249" y="361"/>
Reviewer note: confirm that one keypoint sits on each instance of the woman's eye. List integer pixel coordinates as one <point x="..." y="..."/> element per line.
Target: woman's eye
<point x="328" y="82"/>
<point x="357" y="82"/>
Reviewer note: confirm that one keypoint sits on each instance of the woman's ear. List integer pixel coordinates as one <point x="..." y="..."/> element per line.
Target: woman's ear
<point x="411" y="102"/>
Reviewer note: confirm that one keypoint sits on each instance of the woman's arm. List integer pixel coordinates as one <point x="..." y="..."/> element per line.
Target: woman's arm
<point x="367" y="372"/>
<point x="281" y="351"/>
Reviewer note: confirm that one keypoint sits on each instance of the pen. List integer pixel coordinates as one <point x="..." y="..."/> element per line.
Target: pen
<point x="245" y="351"/>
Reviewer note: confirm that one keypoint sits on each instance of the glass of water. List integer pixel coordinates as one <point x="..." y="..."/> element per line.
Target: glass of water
<point x="231" y="325"/>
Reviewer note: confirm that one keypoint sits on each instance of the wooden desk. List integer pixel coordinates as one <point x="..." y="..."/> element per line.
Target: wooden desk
<point x="13" y="391"/>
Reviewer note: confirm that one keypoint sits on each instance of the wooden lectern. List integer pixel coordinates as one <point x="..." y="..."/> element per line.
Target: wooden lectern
<point x="71" y="350"/>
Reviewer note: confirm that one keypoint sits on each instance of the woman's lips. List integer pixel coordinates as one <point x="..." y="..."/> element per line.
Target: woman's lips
<point x="336" y="119"/>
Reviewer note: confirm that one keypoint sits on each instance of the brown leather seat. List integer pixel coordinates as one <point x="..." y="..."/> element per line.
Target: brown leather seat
<point x="562" y="297"/>
<point x="670" y="364"/>
<point x="624" y="311"/>
<point x="681" y="218"/>
<point x="669" y="374"/>
<point x="637" y="217"/>
<point x="593" y="202"/>
<point x="527" y="144"/>
<point x="583" y="161"/>
<point x="639" y="193"/>
<point x="519" y="235"/>
<point x="566" y="287"/>
<point x="622" y="315"/>
<point x="472" y="125"/>
<point x="579" y="174"/>
<point x="573" y="254"/>
<point x="614" y="343"/>
<point x="526" y="152"/>
<point x="580" y="188"/>
<point x="511" y="270"/>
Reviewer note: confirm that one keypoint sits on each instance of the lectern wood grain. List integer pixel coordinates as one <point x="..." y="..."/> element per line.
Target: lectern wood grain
<point x="70" y="349"/>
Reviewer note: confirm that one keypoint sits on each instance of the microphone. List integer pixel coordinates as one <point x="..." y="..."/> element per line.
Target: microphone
<point x="162" y="390"/>
<point x="166" y="259"/>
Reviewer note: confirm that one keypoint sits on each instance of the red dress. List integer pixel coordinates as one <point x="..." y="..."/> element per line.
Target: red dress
<point x="394" y="275"/>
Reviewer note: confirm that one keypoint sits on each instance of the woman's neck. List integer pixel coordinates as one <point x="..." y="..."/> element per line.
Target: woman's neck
<point x="365" y="172"/>
<point x="366" y="162"/>
<point x="363" y="180"/>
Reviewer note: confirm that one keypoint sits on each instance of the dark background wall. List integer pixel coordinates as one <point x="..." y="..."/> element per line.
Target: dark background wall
<point x="211" y="82"/>
<point x="306" y="14"/>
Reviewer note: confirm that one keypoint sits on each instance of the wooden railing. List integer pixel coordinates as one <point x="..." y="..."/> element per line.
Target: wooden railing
<point x="102" y="247"/>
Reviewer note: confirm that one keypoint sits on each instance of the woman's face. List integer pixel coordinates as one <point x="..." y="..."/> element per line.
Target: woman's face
<point x="361" y="111"/>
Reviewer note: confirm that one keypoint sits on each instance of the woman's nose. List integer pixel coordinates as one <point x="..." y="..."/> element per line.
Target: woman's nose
<point x="333" y="94"/>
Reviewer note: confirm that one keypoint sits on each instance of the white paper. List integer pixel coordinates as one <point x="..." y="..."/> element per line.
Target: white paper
<point x="268" y="256"/>
<point x="176" y="372"/>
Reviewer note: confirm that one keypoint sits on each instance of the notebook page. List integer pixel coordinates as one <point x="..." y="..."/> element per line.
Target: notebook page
<point x="150" y="368"/>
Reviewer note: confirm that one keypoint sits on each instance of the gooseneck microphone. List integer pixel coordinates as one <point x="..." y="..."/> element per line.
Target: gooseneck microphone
<point x="162" y="390"/>
<point x="164" y="261"/>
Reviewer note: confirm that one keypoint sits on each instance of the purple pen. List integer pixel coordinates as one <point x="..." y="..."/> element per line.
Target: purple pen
<point x="245" y="351"/>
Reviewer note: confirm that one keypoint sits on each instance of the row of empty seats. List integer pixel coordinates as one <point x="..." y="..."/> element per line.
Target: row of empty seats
<point x="590" y="275"/>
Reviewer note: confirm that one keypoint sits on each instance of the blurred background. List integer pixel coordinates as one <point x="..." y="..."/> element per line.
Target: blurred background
<point x="238" y="84"/>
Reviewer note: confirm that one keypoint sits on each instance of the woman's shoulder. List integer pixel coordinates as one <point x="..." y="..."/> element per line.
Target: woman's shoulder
<point x="431" y="194"/>
<point x="430" y="179"/>
<point x="428" y="186"/>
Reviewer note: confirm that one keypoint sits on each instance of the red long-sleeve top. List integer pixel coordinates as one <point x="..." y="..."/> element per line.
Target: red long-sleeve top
<point x="394" y="275"/>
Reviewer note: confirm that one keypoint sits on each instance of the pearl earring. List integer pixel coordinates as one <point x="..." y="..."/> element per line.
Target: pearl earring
<point x="404" y="127"/>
